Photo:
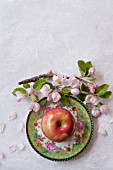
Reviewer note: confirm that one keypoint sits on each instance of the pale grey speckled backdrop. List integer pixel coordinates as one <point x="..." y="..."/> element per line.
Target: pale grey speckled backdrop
<point x="37" y="35"/>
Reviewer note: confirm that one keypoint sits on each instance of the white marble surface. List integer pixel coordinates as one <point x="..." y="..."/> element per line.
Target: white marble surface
<point x="37" y="35"/>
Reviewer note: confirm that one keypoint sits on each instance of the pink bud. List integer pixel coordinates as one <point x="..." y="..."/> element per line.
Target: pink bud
<point x="75" y="91"/>
<point x="49" y="72"/>
<point x="30" y="90"/>
<point x="19" y="96"/>
<point x="92" y="89"/>
<point x="91" y="70"/>
<point x="30" y="107"/>
<point x="104" y="109"/>
<point x="36" y="107"/>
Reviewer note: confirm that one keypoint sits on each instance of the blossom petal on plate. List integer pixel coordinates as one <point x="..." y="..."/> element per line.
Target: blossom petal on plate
<point x="2" y="127"/>
<point x="102" y="131"/>
<point x="13" y="148"/>
<point x="20" y="146"/>
<point x="2" y="155"/>
<point x="13" y="116"/>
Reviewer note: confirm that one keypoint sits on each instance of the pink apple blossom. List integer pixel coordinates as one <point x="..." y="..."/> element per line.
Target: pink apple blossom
<point x="74" y="82"/>
<point x="30" y="90"/>
<point x="65" y="81"/>
<point x="19" y="96"/>
<point x="92" y="99"/>
<point x="75" y="91"/>
<point x="95" y="112"/>
<point x="45" y="90"/>
<point x="91" y="70"/>
<point x="56" y="96"/>
<point x="49" y="97"/>
<point x="104" y="109"/>
<point x="92" y="89"/>
<point x="34" y="106"/>
<point x="56" y="80"/>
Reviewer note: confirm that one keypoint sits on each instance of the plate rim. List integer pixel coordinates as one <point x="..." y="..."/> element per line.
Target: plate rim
<point x="72" y="157"/>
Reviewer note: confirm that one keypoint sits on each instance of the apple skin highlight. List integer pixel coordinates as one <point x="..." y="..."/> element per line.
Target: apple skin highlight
<point x="58" y="124"/>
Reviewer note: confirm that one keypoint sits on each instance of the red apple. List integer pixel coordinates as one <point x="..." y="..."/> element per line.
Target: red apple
<point x="58" y="124"/>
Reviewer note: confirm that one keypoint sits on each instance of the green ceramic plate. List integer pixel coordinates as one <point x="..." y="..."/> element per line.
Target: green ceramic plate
<point x="64" y="150"/>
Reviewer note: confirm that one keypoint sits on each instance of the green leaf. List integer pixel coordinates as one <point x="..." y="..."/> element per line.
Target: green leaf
<point x="65" y="90"/>
<point x="22" y="90"/>
<point x="106" y="95"/>
<point x="39" y="83"/>
<point x="26" y="85"/>
<point x="65" y="101"/>
<point x="89" y="65"/>
<point x="101" y="90"/>
<point x="82" y="96"/>
<point x="83" y="87"/>
<point x="88" y="79"/>
<point x="82" y="67"/>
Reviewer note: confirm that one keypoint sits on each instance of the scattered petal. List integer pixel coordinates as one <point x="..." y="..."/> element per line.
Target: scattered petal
<point x="111" y="121"/>
<point x="20" y="146"/>
<point x="22" y="127"/>
<point x="2" y="127"/>
<point x="102" y="131"/>
<point x="2" y="155"/>
<point x="13" y="116"/>
<point x="13" y="148"/>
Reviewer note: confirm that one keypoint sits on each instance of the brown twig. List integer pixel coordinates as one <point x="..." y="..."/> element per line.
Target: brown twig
<point x="34" y="79"/>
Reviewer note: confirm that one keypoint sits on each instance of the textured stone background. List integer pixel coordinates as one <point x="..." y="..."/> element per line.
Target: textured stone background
<point x="37" y="35"/>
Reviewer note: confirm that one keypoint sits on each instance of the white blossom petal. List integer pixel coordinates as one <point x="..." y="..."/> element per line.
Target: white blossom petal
<point x="2" y="127"/>
<point x="102" y="131"/>
<point x="13" y="116"/>
<point x="20" y="146"/>
<point x="2" y="155"/>
<point x="22" y="127"/>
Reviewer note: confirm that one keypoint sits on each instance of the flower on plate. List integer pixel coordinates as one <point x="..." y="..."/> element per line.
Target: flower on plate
<point x="45" y="90"/>
<point x="19" y="96"/>
<point x="80" y="125"/>
<point x="50" y="147"/>
<point x="30" y="90"/>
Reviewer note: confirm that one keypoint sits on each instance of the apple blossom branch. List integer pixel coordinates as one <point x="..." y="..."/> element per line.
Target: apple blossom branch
<point x="34" y="79"/>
